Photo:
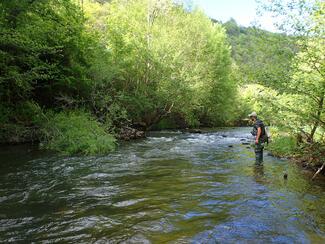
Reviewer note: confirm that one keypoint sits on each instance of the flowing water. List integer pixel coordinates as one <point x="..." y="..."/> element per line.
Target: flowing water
<point x="168" y="188"/>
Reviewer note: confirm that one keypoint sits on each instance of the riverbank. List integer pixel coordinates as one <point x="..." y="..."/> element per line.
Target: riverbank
<point x="78" y="132"/>
<point x="308" y="156"/>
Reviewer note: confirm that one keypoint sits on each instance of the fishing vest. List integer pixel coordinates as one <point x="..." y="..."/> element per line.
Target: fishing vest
<point x="259" y="124"/>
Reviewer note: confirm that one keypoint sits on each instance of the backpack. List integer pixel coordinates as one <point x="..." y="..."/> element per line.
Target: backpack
<point x="266" y="136"/>
<point x="265" y="132"/>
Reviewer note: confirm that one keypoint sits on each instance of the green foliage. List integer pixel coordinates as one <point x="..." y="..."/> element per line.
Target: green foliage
<point x="141" y="62"/>
<point x="282" y="144"/>
<point x="166" y="123"/>
<point x="160" y="67"/>
<point x="42" y="51"/>
<point x="126" y="62"/>
<point x="262" y="57"/>
<point x="255" y="97"/>
<point x="20" y="123"/>
<point x="76" y="133"/>
<point x="263" y="65"/>
<point x="300" y="99"/>
<point x="314" y="154"/>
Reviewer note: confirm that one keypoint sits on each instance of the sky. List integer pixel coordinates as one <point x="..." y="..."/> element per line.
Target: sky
<point x="243" y="11"/>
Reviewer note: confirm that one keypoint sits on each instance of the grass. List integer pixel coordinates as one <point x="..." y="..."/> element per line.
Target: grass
<point x="76" y="132"/>
<point x="283" y="145"/>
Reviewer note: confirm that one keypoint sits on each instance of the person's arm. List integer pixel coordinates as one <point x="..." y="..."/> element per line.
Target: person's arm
<point x="259" y="132"/>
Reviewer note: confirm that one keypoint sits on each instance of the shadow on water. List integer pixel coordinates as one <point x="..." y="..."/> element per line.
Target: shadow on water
<point x="259" y="174"/>
<point x="171" y="187"/>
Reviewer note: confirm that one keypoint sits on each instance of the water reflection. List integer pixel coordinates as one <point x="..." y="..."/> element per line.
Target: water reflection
<point x="258" y="171"/>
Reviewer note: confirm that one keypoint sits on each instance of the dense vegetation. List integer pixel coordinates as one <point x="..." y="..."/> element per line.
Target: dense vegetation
<point x="74" y="74"/>
<point x="127" y="63"/>
<point x="282" y="76"/>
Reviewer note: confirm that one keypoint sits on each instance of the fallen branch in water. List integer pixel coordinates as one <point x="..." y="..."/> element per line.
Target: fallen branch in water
<point x="318" y="171"/>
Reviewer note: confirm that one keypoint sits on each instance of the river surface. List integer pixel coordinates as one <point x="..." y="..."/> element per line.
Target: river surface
<point x="168" y="188"/>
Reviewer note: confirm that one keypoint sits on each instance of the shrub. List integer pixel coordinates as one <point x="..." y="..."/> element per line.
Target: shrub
<point x="20" y="123"/>
<point x="283" y="145"/>
<point x="76" y="132"/>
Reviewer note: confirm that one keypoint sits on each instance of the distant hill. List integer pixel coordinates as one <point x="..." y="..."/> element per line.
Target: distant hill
<point x="262" y="56"/>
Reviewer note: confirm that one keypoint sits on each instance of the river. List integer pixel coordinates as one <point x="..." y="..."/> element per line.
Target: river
<point x="168" y="188"/>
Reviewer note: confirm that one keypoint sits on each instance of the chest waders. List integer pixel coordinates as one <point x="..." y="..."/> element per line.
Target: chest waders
<point x="259" y="152"/>
<point x="259" y="147"/>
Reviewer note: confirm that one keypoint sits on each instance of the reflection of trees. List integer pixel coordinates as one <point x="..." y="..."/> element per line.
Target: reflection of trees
<point x="258" y="171"/>
<point x="176" y="192"/>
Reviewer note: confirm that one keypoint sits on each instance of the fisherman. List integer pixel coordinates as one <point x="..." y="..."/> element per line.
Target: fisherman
<point x="260" y="137"/>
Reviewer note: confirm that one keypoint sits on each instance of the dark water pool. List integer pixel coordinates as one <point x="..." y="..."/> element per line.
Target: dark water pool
<point x="168" y="188"/>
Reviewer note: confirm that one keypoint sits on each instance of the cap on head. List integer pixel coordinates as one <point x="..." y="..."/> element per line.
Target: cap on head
<point x="253" y="114"/>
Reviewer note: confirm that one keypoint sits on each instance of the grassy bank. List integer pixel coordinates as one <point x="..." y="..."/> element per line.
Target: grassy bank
<point x="76" y="132"/>
<point x="308" y="155"/>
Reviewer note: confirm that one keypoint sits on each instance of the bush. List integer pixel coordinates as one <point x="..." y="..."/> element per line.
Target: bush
<point x="283" y="145"/>
<point x="20" y="123"/>
<point x="76" y="133"/>
<point x="165" y="124"/>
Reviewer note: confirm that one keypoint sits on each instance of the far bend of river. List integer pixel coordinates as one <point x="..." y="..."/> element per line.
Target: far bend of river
<point x="168" y="188"/>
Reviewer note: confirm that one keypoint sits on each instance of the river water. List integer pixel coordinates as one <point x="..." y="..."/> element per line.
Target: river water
<point x="168" y="188"/>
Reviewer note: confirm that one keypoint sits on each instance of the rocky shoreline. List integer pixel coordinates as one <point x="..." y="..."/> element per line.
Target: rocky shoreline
<point x="304" y="164"/>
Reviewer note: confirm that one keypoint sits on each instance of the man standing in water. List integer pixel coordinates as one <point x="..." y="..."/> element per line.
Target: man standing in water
<point x="259" y="133"/>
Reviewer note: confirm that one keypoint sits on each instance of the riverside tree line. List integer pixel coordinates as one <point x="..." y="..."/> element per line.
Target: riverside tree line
<point x="73" y="73"/>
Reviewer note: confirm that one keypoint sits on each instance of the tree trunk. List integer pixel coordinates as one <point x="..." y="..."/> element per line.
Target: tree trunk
<point x="159" y="114"/>
<point x="318" y="171"/>
<point x="318" y="115"/>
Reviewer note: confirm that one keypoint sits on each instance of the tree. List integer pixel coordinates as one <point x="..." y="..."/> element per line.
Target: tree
<point x="160" y="67"/>
<point x="304" y="19"/>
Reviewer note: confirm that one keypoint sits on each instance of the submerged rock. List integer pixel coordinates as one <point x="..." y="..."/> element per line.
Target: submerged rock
<point x="197" y="131"/>
<point x="128" y="133"/>
<point x="285" y="175"/>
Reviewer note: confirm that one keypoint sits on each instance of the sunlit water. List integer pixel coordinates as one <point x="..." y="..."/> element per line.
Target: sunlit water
<point x="168" y="188"/>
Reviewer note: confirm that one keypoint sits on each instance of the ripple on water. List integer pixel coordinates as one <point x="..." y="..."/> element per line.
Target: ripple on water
<point x="127" y="203"/>
<point x="169" y="188"/>
<point x="253" y="230"/>
<point x="101" y="192"/>
<point x="96" y="176"/>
